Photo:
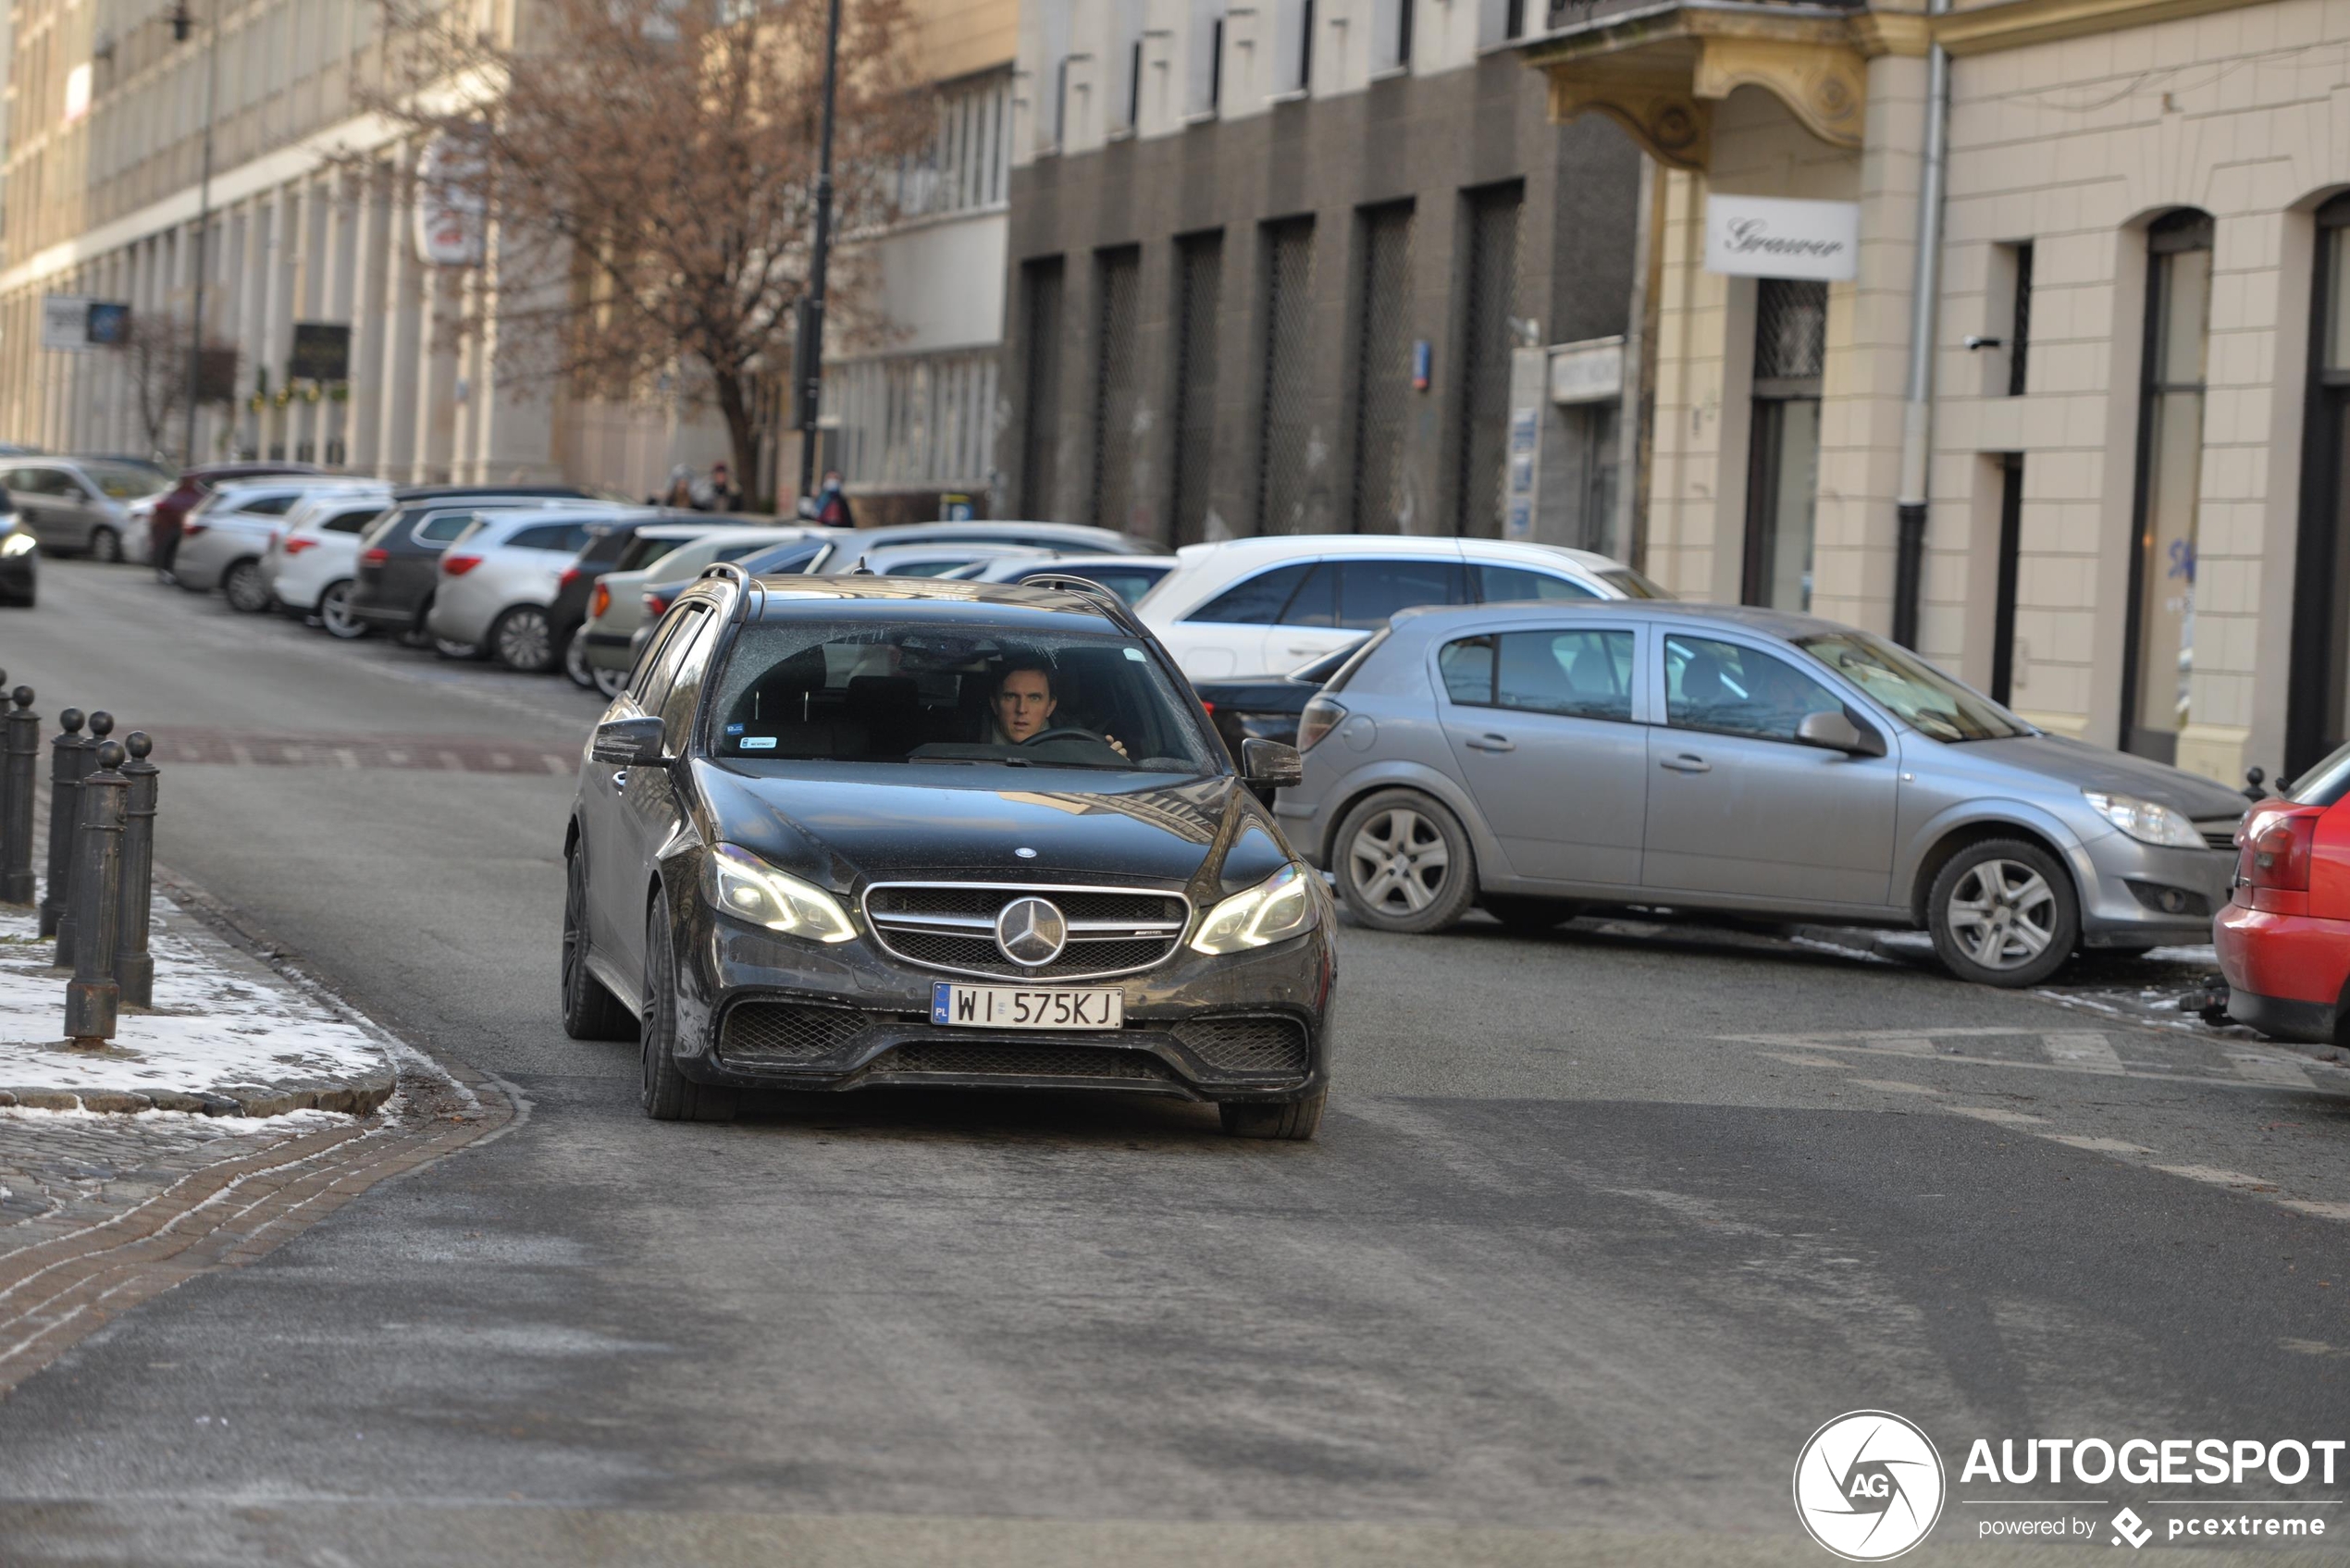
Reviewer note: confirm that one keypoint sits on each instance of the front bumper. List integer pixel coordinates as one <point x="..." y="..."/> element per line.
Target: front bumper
<point x="759" y="1010"/>
<point x="2286" y="973"/>
<point x="2142" y="896"/>
<point x="20" y="577"/>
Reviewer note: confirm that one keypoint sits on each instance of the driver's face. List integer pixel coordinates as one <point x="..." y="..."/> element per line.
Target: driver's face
<point x="1024" y="703"/>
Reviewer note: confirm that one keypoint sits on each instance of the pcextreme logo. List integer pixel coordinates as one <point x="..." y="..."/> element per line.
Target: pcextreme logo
<point x="1868" y="1486"/>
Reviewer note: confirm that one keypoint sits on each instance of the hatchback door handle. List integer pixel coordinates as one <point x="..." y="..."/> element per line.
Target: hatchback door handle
<point x="1491" y="743"/>
<point x="620" y="778"/>
<point x="1685" y="764"/>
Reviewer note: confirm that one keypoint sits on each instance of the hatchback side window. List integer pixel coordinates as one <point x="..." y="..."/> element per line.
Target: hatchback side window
<point x="564" y="537"/>
<point x="443" y="526"/>
<point x="1738" y="691"/>
<point x="1370" y="591"/>
<point x="1315" y="601"/>
<point x="348" y="521"/>
<point x="1468" y="669"/>
<point x="268" y="506"/>
<point x="1584" y="675"/>
<point x="1257" y="602"/>
<point x="1498" y="585"/>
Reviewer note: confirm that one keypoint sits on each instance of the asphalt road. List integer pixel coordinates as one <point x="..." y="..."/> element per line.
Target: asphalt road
<point x="1600" y="1227"/>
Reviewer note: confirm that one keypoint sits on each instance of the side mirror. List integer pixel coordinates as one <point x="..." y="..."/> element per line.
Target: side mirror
<point x="1268" y="764"/>
<point x="1837" y="732"/>
<point x="627" y="742"/>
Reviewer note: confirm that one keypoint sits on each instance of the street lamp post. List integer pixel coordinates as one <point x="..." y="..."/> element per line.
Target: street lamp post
<point x="182" y="24"/>
<point x="808" y="353"/>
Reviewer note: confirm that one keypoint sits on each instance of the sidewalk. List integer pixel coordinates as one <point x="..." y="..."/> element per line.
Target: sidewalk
<point x="226" y="1036"/>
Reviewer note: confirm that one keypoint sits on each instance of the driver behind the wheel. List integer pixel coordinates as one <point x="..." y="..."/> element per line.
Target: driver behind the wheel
<point x="1024" y="704"/>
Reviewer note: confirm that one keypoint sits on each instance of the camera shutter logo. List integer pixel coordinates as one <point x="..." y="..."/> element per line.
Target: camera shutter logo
<point x="1031" y="931"/>
<point x="1869" y="1485"/>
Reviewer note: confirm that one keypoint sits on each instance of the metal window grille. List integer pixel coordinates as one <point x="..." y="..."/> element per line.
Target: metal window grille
<point x="1040" y="452"/>
<point x="1283" y="429"/>
<point x="1383" y="370"/>
<point x="914" y="421"/>
<point x="2020" y="334"/>
<point x="966" y="164"/>
<point x="1200" y="280"/>
<point x="1790" y="329"/>
<point x="1118" y="280"/>
<point x="1485" y="359"/>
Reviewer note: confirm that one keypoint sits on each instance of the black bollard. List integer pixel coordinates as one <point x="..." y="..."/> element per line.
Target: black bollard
<point x="100" y="726"/>
<point x="65" y="774"/>
<point x="20" y="767"/>
<point x="135" y="968"/>
<point x="92" y="997"/>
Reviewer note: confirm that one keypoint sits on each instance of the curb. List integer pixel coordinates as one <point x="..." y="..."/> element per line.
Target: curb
<point x="361" y="1100"/>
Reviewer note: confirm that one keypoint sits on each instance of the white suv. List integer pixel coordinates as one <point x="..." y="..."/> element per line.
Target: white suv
<point x="312" y="560"/>
<point x="1248" y="609"/>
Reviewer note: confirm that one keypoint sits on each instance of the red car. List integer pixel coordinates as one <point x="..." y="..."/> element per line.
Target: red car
<point x="2284" y="936"/>
<point x="173" y="506"/>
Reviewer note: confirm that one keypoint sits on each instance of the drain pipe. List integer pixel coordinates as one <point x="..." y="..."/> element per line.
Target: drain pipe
<point x="1917" y="414"/>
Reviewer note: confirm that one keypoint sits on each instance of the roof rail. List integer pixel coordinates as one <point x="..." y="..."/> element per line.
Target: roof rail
<point x="742" y="582"/>
<point x="1085" y="588"/>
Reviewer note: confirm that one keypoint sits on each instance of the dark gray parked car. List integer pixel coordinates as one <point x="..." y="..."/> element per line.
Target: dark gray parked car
<point x="1537" y="757"/>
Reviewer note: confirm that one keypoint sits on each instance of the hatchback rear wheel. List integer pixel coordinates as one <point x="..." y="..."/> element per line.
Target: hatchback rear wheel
<point x="245" y="589"/>
<point x="334" y="613"/>
<point x="575" y="665"/>
<point x="1404" y="862"/>
<point x="524" y="640"/>
<point x="105" y="545"/>
<point x="2003" y="912"/>
<point x="670" y="1095"/>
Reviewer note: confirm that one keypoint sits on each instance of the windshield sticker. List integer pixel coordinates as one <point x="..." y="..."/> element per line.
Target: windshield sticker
<point x="759" y="743"/>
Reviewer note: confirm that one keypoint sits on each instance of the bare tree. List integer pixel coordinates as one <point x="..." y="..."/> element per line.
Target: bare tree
<point x="154" y="360"/>
<point x="648" y="170"/>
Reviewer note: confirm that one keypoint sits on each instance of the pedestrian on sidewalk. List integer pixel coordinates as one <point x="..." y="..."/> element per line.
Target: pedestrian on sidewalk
<point x="832" y="503"/>
<point x="718" y="492"/>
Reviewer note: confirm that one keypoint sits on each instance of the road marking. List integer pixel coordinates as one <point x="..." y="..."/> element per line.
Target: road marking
<point x="1999" y="1116"/>
<point x="2219" y="1177"/>
<point x="2087" y="1049"/>
<point x="1793" y="1060"/>
<point x="2273" y="1071"/>
<point x="1893" y="1086"/>
<point x="2313" y="1207"/>
<point x="2099" y="1145"/>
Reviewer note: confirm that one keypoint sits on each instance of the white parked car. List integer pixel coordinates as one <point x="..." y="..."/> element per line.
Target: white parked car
<point x="311" y="562"/>
<point x="1251" y="609"/>
<point x="498" y="582"/>
<point x="223" y="540"/>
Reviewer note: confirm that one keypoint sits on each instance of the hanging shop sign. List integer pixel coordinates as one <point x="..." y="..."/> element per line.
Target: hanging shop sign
<point x="452" y="212"/>
<point x="76" y="324"/>
<point x="1772" y="237"/>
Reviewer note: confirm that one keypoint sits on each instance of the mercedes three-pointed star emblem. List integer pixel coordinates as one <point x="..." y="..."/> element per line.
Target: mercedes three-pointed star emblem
<point x="1031" y="931"/>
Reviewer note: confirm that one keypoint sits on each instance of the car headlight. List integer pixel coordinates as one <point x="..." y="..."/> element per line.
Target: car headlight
<point x="18" y="542"/>
<point x="2144" y="820"/>
<point x="1280" y="907"/>
<point x="750" y="889"/>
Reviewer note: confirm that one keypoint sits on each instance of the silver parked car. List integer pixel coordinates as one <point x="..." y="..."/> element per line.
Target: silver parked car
<point x="81" y="505"/>
<point x="226" y="539"/>
<point x="499" y="580"/>
<point x="1535" y="758"/>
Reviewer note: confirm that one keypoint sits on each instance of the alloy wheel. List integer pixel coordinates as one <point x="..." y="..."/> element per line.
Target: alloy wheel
<point x="244" y="589"/>
<point x="1399" y="861"/>
<point x="610" y="683"/>
<point x="105" y="545"/>
<point x="334" y="614"/>
<point x="525" y="641"/>
<point x="2002" y="914"/>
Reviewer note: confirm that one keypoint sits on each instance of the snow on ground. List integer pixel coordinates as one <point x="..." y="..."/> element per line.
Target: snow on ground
<point x="221" y="1020"/>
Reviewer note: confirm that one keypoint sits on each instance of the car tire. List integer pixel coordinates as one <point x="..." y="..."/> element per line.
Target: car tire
<point x="105" y="545"/>
<point x="670" y="1095"/>
<point x="334" y="613"/>
<point x="464" y="652"/>
<point x="246" y="589"/>
<point x="523" y="640"/>
<point x="2003" y="912"/>
<point x="1528" y="916"/>
<point x="610" y="683"/>
<point x="1295" y="1122"/>
<point x="1385" y="851"/>
<point x="591" y="1010"/>
<point x="575" y="665"/>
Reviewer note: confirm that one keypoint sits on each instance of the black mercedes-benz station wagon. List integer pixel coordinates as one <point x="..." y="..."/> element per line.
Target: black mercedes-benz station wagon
<point x="864" y="831"/>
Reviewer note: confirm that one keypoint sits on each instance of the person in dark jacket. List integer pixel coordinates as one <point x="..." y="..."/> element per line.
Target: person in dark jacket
<point x="719" y="493"/>
<point x="831" y="502"/>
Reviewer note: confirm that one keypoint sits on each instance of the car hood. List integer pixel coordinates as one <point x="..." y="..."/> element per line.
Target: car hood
<point x="2083" y="766"/>
<point x="848" y="824"/>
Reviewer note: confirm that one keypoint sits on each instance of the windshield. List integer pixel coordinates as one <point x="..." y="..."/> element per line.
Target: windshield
<point x="124" y="481"/>
<point x="1632" y="584"/>
<point x="956" y="696"/>
<point x="1918" y="695"/>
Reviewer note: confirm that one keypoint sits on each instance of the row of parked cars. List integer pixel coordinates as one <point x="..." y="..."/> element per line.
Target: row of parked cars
<point x="1484" y="723"/>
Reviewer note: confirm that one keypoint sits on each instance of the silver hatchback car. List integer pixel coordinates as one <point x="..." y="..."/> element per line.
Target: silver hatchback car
<point x="1535" y="758"/>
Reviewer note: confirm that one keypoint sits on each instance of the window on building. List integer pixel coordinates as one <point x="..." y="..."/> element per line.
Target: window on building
<point x="1199" y="278"/>
<point x="1783" y="464"/>
<point x="1124" y="72"/>
<point x="1284" y="423"/>
<point x="2009" y="569"/>
<point x="2318" y="699"/>
<point x="2020" y="320"/>
<point x="922" y="421"/>
<point x="1118" y="385"/>
<point x="1041" y="422"/>
<point x="1292" y="25"/>
<point x="1488" y="334"/>
<point x="1203" y="58"/>
<point x="967" y="164"/>
<point x="2162" y="557"/>
<point x="1382" y="367"/>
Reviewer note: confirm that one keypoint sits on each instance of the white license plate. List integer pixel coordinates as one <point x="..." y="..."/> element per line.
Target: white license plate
<point x="1012" y="1006"/>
